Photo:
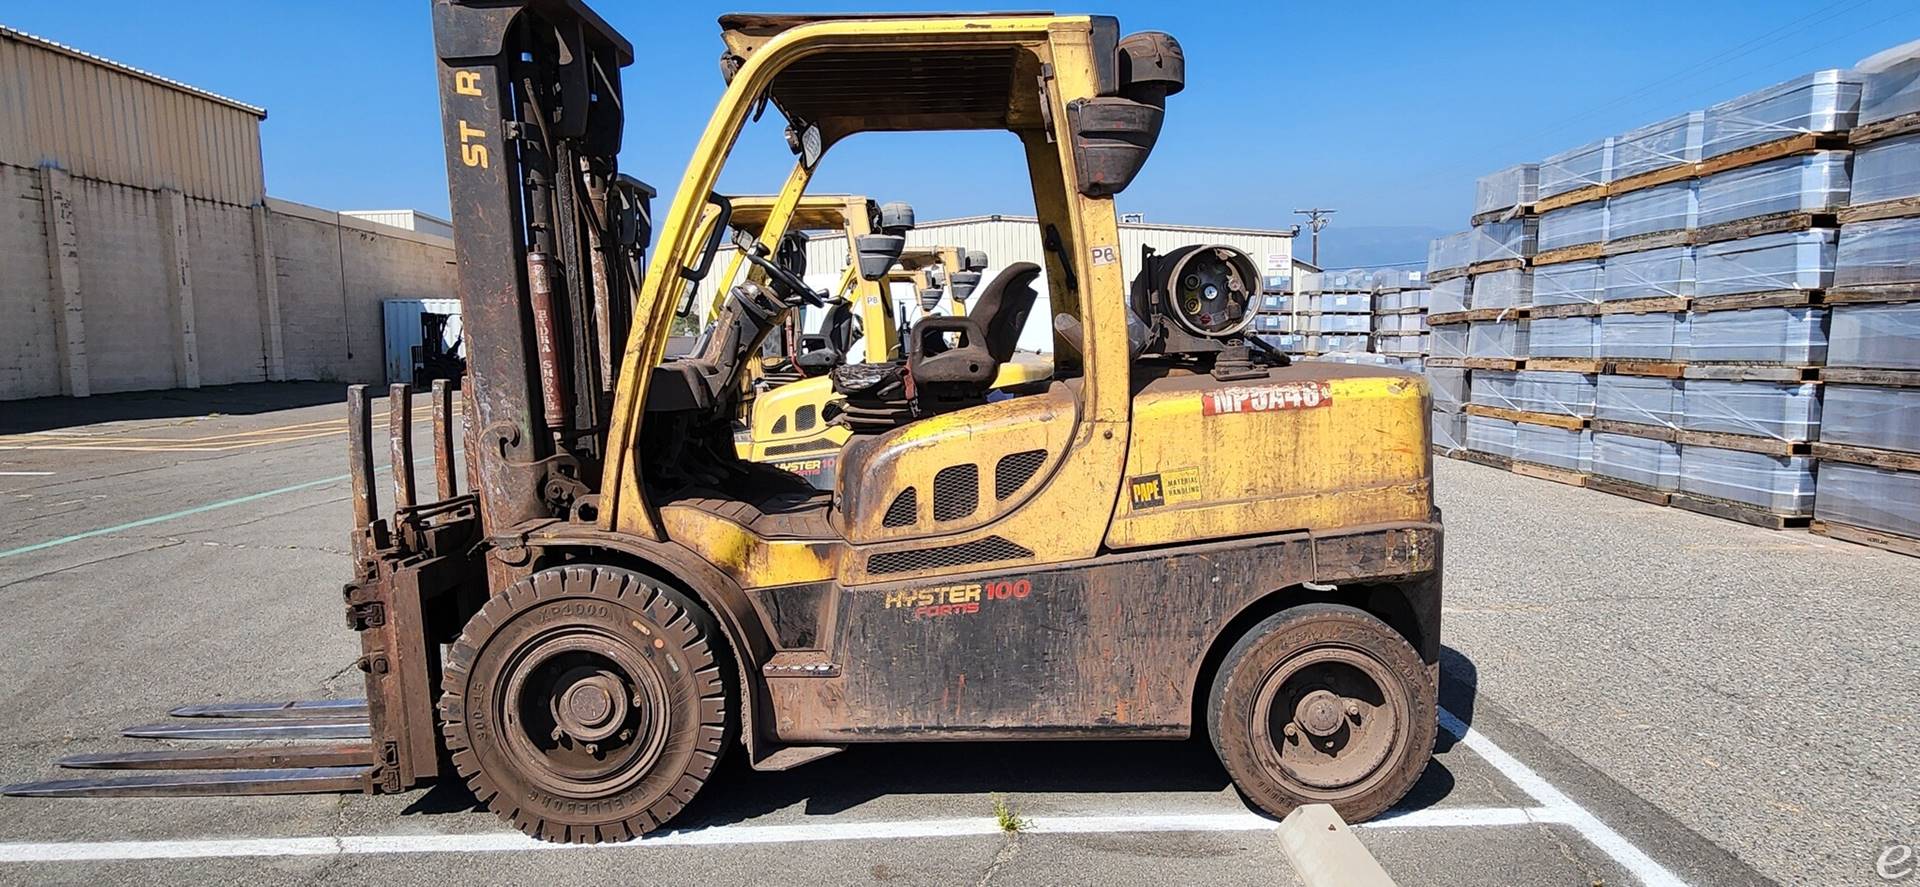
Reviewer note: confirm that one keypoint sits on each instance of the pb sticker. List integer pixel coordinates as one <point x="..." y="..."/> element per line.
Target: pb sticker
<point x="1264" y="398"/>
<point x="1164" y="488"/>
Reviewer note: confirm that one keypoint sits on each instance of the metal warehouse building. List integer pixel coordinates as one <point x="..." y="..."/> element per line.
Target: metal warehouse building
<point x="140" y="250"/>
<point x="1007" y="239"/>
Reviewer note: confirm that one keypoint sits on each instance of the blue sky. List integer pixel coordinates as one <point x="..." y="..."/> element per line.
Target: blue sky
<point x="1386" y="111"/>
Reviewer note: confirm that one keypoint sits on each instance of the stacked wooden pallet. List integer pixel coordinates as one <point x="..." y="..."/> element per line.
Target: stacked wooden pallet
<point x="1679" y="301"/>
<point x="1869" y="451"/>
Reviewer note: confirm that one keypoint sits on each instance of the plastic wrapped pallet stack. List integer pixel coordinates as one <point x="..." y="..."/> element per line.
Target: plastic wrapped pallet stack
<point x="1869" y="445"/>
<point x="1717" y="310"/>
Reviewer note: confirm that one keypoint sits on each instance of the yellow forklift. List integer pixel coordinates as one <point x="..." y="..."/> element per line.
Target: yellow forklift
<point x="1178" y="532"/>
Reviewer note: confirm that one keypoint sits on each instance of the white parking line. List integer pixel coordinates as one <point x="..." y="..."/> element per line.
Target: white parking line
<point x="1555" y="808"/>
<point x="1562" y="808"/>
<point x="499" y="842"/>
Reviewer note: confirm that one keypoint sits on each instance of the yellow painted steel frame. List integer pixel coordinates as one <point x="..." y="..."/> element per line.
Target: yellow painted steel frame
<point x="1090" y="469"/>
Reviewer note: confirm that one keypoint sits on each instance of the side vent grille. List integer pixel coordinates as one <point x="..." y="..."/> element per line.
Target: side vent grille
<point x="780" y="425"/>
<point x="904" y="511"/>
<point x="1013" y="472"/>
<point x="804" y="418"/>
<point x="979" y="551"/>
<point x="956" y="491"/>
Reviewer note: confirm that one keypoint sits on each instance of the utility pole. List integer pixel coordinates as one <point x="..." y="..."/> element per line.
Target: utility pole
<point x="1317" y="218"/>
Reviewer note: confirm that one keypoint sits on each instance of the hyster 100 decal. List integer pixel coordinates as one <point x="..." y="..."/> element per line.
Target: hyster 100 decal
<point x="1261" y="398"/>
<point x="957" y="600"/>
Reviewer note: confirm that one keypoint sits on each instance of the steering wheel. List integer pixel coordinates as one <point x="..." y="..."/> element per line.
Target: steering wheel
<point x="786" y="282"/>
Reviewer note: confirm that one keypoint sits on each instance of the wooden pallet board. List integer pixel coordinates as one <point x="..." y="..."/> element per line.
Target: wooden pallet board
<point x="1447" y="362"/>
<point x="1862" y="376"/>
<point x="1637" y="492"/>
<point x="1868" y="133"/>
<point x="1567" y="364"/>
<point x="1443" y="452"/>
<point x="1492" y="363"/>
<point x="1752" y="372"/>
<point x="1776" y="223"/>
<point x="1643" y="242"/>
<point x="1738" y="511"/>
<point x="1505" y="214"/>
<point x="1549" y="472"/>
<point x="1635" y="429"/>
<point x="1550" y="420"/>
<point x="1576" y="253"/>
<point x="1446" y="318"/>
<point x="1891" y="460"/>
<point x="1483" y="315"/>
<point x="1748" y="443"/>
<point x="1491" y="460"/>
<point x="1769" y="299"/>
<point x="1445" y="274"/>
<point x="1655" y="305"/>
<point x="1884" y="292"/>
<point x="1496" y="265"/>
<point x="1804" y="143"/>
<point x="1663" y="369"/>
<point x="1575" y="197"/>
<point x="1895" y="543"/>
<point x="1548" y="312"/>
<point x="1885" y="209"/>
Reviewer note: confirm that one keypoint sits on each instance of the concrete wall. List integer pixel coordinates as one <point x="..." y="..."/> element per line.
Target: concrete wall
<point x="108" y="287"/>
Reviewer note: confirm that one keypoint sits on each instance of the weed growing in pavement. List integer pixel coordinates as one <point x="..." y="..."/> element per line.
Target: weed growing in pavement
<point x="1010" y="820"/>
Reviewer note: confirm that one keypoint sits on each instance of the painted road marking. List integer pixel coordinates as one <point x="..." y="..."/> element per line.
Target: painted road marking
<point x="722" y="835"/>
<point x="186" y="512"/>
<point x="1555" y="809"/>
<point x="211" y="443"/>
<point x="1565" y="809"/>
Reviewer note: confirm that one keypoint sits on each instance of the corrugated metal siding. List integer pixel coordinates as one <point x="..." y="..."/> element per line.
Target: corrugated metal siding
<point x="107" y="122"/>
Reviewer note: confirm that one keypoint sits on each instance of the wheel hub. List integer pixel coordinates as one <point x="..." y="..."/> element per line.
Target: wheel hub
<point x="1331" y="717"/>
<point x="1321" y="713"/>
<point x="593" y="705"/>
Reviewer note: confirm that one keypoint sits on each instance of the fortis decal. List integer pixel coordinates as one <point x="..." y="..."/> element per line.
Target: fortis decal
<point x="1262" y="398"/>
<point x="957" y="600"/>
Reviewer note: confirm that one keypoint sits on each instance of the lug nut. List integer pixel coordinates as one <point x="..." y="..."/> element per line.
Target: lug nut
<point x="1353" y="709"/>
<point x="558" y="734"/>
<point x="1290" y="730"/>
<point x="593" y="748"/>
<point x="626" y="735"/>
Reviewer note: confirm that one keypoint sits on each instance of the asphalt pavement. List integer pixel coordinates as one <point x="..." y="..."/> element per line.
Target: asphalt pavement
<point x="1633" y="694"/>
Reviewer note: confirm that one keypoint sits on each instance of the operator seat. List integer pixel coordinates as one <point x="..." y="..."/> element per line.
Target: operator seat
<point x="939" y="375"/>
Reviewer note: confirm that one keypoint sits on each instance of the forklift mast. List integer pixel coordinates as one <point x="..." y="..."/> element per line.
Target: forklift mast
<point x="549" y="247"/>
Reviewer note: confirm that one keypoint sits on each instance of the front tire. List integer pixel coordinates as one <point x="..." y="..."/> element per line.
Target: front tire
<point x="586" y="703"/>
<point x="1323" y="704"/>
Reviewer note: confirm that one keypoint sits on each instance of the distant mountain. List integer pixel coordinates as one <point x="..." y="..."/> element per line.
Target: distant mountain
<point x="1366" y="245"/>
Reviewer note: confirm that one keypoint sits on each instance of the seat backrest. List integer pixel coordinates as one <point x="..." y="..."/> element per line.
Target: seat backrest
<point x="1001" y="309"/>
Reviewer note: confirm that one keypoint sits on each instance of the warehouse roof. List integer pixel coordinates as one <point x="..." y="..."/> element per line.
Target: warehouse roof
<point x="129" y="70"/>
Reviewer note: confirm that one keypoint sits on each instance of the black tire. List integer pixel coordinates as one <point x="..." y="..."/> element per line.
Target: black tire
<point x="1290" y="659"/>
<point x="644" y="663"/>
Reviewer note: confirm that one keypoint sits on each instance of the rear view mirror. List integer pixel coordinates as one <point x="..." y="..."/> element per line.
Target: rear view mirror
<point x="810" y="146"/>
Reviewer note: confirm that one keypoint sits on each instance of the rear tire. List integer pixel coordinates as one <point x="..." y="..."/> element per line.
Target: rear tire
<point x="586" y="703"/>
<point x="1323" y="704"/>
